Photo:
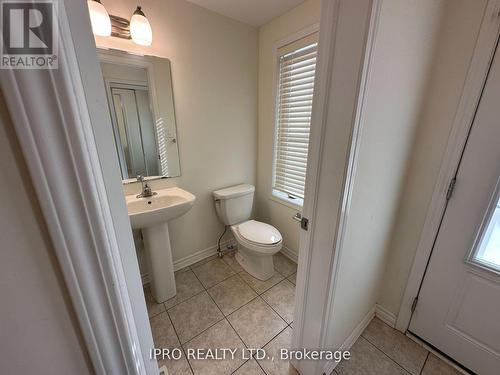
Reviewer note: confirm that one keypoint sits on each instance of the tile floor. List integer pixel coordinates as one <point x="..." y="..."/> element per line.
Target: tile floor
<point x="382" y="350"/>
<point x="219" y="305"/>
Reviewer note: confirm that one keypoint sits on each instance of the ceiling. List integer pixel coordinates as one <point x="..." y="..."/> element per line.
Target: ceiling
<point x="252" y="12"/>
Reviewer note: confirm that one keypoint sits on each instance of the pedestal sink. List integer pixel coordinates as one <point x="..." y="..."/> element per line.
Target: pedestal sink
<point x="151" y="215"/>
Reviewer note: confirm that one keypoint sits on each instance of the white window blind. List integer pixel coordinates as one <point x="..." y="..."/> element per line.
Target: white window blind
<point x="297" y="65"/>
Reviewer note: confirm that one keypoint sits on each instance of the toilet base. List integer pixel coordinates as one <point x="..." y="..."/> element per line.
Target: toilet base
<point x="259" y="266"/>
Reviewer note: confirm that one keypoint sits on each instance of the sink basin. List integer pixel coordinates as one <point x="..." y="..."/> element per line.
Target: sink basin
<point x="164" y="206"/>
<point x="151" y="215"/>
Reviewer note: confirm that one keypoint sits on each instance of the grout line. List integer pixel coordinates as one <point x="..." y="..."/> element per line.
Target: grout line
<point x="230" y="314"/>
<point x="187" y="299"/>
<point x="240" y="366"/>
<point x="258" y="364"/>
<point x="152" y="316"/>
<point x="224" y="316"/>
<point x="274" y="308"/>
<point x="385" y="354"/>
<point x="206" y="290"/>
<point x="179" y="340"/>
<point x="206" y="329"/>
<point x="267" y="303"/>
<point x="276" y="335"/>
<point x="426" y="358"/>
<point x="218" y="282"/>
<point x="260" y="293"/>
<point x="267" y="343"/>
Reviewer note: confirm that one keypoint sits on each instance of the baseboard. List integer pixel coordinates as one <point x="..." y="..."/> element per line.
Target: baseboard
<point x="289" y="254"/>
<point x="385" y="315"/>
<point x="349" y="342"/>
<point x="189" y="260"/>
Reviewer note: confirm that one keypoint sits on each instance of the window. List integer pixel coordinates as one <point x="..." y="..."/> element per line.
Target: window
<point x="295" y="85"/>
<point x="487" y="252"/>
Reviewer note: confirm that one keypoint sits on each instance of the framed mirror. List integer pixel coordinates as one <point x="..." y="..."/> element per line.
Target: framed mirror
<point x="141" y="104"/>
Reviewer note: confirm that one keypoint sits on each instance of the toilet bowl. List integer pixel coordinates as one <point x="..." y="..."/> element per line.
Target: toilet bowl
<point x="257" y="243"/>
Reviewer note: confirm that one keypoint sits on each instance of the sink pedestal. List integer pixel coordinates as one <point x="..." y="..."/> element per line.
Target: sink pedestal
<point x="151" y="214"/>
<point x="157" y="246"/>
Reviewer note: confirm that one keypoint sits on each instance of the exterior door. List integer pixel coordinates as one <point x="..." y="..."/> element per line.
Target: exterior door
<point x="458" y="307"/>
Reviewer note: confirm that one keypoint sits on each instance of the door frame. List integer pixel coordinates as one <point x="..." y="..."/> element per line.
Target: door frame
<point x="52" y="121"/>
<point x="476" y="78"/>
<point x="321" y="246"/>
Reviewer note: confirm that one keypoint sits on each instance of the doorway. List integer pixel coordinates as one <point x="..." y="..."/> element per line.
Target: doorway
<point x="458" y="304"/>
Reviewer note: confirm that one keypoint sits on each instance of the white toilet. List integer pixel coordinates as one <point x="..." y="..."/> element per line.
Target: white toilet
<point x="257" y="241"/>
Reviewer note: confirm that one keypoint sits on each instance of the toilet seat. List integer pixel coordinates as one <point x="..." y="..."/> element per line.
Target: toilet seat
<point x="259" y="233"/>
<point x="262" y="248"/>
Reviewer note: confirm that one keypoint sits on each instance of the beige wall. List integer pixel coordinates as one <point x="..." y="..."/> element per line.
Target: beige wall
<point x="282" y="27"/>
<point x="455" y="42"/>
<point x="39" y="332"/>
<point x="214" y="62"/>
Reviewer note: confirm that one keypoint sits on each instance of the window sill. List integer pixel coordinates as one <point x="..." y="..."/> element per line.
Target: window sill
<point x="282" y="198"/>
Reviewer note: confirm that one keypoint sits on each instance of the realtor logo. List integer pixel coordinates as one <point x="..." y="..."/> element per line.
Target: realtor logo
<point x="29" y="34"/>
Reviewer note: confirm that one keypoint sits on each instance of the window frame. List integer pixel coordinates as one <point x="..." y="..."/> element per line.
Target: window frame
<point x="276" y="195"/>
<point x="472" y="258"/>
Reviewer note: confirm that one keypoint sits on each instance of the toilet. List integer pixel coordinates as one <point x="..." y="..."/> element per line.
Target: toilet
<point x="257" y="241"/>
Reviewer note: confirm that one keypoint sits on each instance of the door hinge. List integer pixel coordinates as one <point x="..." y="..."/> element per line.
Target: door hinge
<point x="451" y="187"/>
<point x="304" y="223"/>
<point x="414" y="304"/>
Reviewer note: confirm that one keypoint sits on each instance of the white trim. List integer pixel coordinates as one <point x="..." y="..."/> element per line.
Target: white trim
<point x="281" y="198"/>
<point x="314" y="296"/>
<point x="353" y="156"/>
<point x="52" y="122"/>
<point x="290" y="254"/>
<point x="385" y="315"/>
<point x="329" y="21"/>
<point x="476" y="77"/>
<point x="349" y="342"/>
<point x="208" y="252"/>
<point x="308" y="30"/>
<point x="190" y="259"/>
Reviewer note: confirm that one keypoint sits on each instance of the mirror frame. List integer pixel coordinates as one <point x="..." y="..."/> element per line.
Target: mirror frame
<point x="120" y="57"/>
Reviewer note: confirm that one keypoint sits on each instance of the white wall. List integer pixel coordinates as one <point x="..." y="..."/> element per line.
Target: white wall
<point x="455" y="43"/>
<point x="214" y="75"/>
<point x="39" y="331"/>
<point x="282" y="27"/>
<point x="402" y="57"/>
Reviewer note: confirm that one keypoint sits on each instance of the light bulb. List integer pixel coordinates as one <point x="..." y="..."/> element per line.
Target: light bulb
<point x="99" y="17"/>
<point x="140" y="29"/>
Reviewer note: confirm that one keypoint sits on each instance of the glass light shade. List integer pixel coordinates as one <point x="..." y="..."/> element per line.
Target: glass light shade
<point x="140" y="30"/>
<point x="99" y="17"/>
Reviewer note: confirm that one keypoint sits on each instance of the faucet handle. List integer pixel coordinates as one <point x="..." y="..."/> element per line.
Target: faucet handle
<point x="140" y="178"/>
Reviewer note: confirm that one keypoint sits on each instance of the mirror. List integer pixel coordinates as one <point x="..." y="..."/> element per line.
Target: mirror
<point x="140" y="100"/>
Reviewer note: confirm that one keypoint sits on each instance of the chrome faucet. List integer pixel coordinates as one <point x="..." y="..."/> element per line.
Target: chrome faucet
<point x="146" y="189"/>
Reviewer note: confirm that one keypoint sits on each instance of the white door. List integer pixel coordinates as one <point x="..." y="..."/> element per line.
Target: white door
<point x="458" y="307"/>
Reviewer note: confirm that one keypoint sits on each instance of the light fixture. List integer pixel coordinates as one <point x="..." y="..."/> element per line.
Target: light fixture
<point x="99" y="17"/>
<point x="103" y="24"/>
<point x="140" y="29"/>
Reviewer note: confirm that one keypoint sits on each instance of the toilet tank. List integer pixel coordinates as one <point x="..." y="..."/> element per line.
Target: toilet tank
<point x="234" y="204"/>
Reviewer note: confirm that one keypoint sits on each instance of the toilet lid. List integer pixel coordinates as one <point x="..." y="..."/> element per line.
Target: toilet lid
<point x="258" y="232"/>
